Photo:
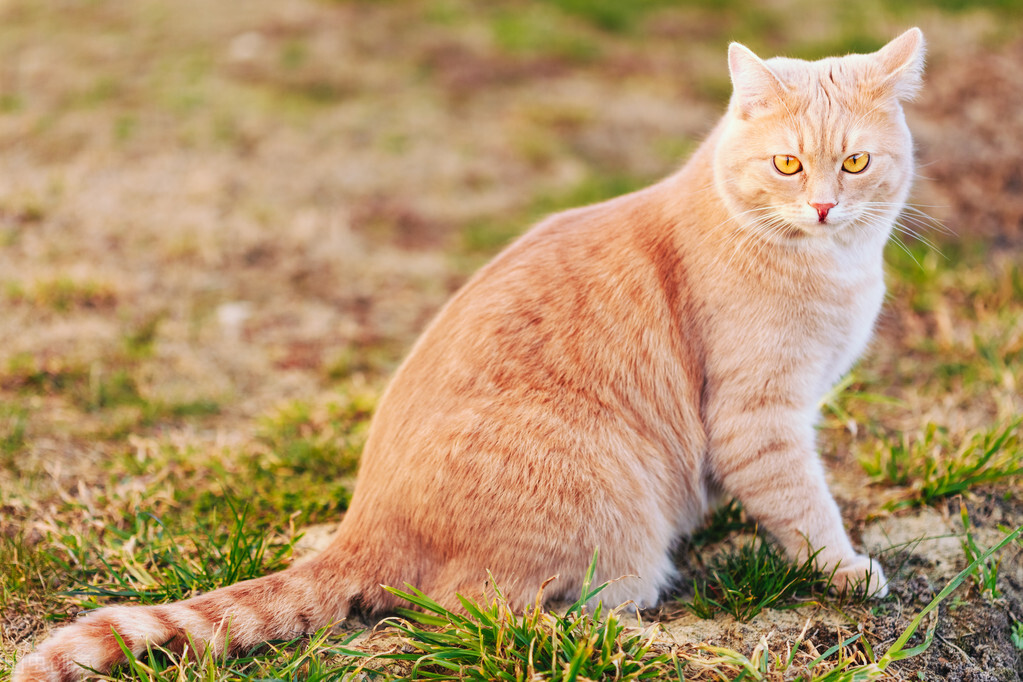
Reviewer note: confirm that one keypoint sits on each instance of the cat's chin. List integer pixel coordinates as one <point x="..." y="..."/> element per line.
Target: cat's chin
<point x="800" y="235"/>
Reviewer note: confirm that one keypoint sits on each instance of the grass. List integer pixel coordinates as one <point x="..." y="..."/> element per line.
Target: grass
<point x="321" y="439"/>
<point x="986" y="575"/>
<point x="725" y="520"/>
<point x="492" y="642"/>
<point x="851" y="665"/>
<point x="13" y="420"/>
<point x="932" y="466"/>
<point x="147" y="563"/>
<point x="848" y="398"/>
<point x="312" y="445"/>
<point x="744" y="581"/>
<point x="63" y="294"/>
<point x="310" y="659"/>
<point x="30" y="576"/>
<point x="489" y="641"/>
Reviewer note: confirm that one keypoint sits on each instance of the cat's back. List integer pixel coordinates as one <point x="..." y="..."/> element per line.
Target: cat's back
<point x="584" y="304"/>
<point x="571" y="350"/>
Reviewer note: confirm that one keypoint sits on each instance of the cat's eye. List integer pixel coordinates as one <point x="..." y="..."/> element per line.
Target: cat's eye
<point x="856" y="163"/>
<point x="787" y="165"/>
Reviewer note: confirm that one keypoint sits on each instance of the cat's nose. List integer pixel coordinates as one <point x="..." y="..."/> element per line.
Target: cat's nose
<point x="822" y="211"/>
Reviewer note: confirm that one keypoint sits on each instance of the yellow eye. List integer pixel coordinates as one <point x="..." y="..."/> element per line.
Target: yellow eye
<point x="787" y="165"/>
<point x="856" y="163"/>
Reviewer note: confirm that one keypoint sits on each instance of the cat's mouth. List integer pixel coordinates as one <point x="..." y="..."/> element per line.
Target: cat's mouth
<point x="803" y="229"/>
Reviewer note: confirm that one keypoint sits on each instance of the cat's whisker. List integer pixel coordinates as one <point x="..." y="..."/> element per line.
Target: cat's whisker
<point x="917" y="211"/>
<point x="902" y="245"/>
<point x="766" y="229"/>
<point x="920" y="238"/>
<point x="730" y="238"/>
<point x="907" y="225"/>
<point x="914" y="217"/>
<point x="918" y="223"/>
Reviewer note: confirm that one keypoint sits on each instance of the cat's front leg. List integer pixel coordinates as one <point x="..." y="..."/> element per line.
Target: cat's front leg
<point x="772" y="467"/>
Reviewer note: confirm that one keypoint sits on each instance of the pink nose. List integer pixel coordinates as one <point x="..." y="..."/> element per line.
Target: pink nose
<point x="822" y="211"/>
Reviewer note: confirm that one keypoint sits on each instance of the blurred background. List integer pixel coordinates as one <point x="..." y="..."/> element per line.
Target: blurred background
<point x="222" y="224"/>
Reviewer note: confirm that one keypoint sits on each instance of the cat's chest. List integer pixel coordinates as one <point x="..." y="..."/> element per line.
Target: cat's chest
<point x="801" y="328"/>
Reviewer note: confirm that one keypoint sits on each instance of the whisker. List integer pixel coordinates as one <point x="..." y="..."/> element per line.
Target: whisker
<point x="898" y="242"/>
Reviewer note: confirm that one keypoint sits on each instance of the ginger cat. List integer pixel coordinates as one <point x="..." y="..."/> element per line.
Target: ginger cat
<point x="609" y="376"/>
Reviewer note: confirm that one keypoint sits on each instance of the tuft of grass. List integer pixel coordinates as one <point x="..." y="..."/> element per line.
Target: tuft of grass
<point x="149" y="564"/>
<point x="728" y="664"/>
<point x="13" y="422"/>
<point x="744" y="581"/>
<point x="491" y="642"/>
<point x="139" y="341"/>
<point x="110" y="389"/>
<point x="725" y="520"/>
<point x="1017" y="634"/>
<point x="986" y="575"/>
<point x="310" y="659"/>
<point x="932" y="466"/>
<point x="64" y="294"/>
<point x="853" y="665"/>
<point x="50" y="375"/>
<point x="837" y="404"/>
<point x="29" y="576"/>
<point x="318" y="439"/>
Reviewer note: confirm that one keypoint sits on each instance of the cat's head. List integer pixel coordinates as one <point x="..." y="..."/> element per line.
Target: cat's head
<point x="819" y="149"/>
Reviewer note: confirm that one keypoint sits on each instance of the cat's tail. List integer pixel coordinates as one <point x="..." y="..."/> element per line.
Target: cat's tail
<point x="299" y="600"/>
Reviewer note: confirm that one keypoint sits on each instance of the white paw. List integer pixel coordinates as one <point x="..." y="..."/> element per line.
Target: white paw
<point x="862" y="574"/>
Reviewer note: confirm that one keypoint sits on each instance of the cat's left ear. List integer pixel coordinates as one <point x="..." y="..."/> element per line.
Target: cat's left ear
<point x="900" y="65"/>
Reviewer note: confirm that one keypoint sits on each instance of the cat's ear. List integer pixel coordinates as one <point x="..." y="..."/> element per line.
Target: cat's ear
<point x="754" y="85"/>
<point x="900" y="65"/>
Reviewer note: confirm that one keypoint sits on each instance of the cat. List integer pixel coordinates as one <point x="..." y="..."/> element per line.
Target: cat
<point x="610" y="376"/>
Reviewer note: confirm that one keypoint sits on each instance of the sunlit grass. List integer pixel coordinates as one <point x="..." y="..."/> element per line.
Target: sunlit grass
<point x="741" y="581"/>
<point x="316" y="658"/>
<point x="29" y="577"/>
<point x="63" y="294"/>
<point x="986" y="575"/>
<point x="146" y="563"/>
<point x="932" y="465"/>
<point x="853" y="663"/>
<point x="490" y="641"/>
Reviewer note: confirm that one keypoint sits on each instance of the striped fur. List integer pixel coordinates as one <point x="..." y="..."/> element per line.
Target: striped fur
<point x="607" y="378"/>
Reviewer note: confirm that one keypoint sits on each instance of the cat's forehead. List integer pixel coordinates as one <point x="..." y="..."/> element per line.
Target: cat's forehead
<point x="824" y="135"/>
<point x="826" y="109"/>
<point x="837" y="74"/>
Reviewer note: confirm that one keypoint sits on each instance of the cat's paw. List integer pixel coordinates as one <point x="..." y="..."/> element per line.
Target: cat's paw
<point x="862" y="574"/>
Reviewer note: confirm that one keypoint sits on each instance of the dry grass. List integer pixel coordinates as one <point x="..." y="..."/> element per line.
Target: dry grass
<point x="220" y="229"/>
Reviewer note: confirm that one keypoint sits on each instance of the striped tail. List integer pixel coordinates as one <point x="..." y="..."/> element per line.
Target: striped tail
<point x="284" y="605"/>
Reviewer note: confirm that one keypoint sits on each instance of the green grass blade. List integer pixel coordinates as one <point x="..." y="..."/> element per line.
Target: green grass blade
<point x="900" y="643"/>
<point x="831" y="652"/>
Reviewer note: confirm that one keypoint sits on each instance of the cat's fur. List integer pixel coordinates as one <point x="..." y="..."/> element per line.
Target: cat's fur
<point x="611" y="374"/>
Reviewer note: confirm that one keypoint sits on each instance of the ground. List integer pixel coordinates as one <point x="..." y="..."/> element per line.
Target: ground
<point x="222" y="225"/>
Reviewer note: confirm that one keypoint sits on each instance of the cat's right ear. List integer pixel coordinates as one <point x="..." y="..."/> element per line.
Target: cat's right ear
<point x="754" y="85"/>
